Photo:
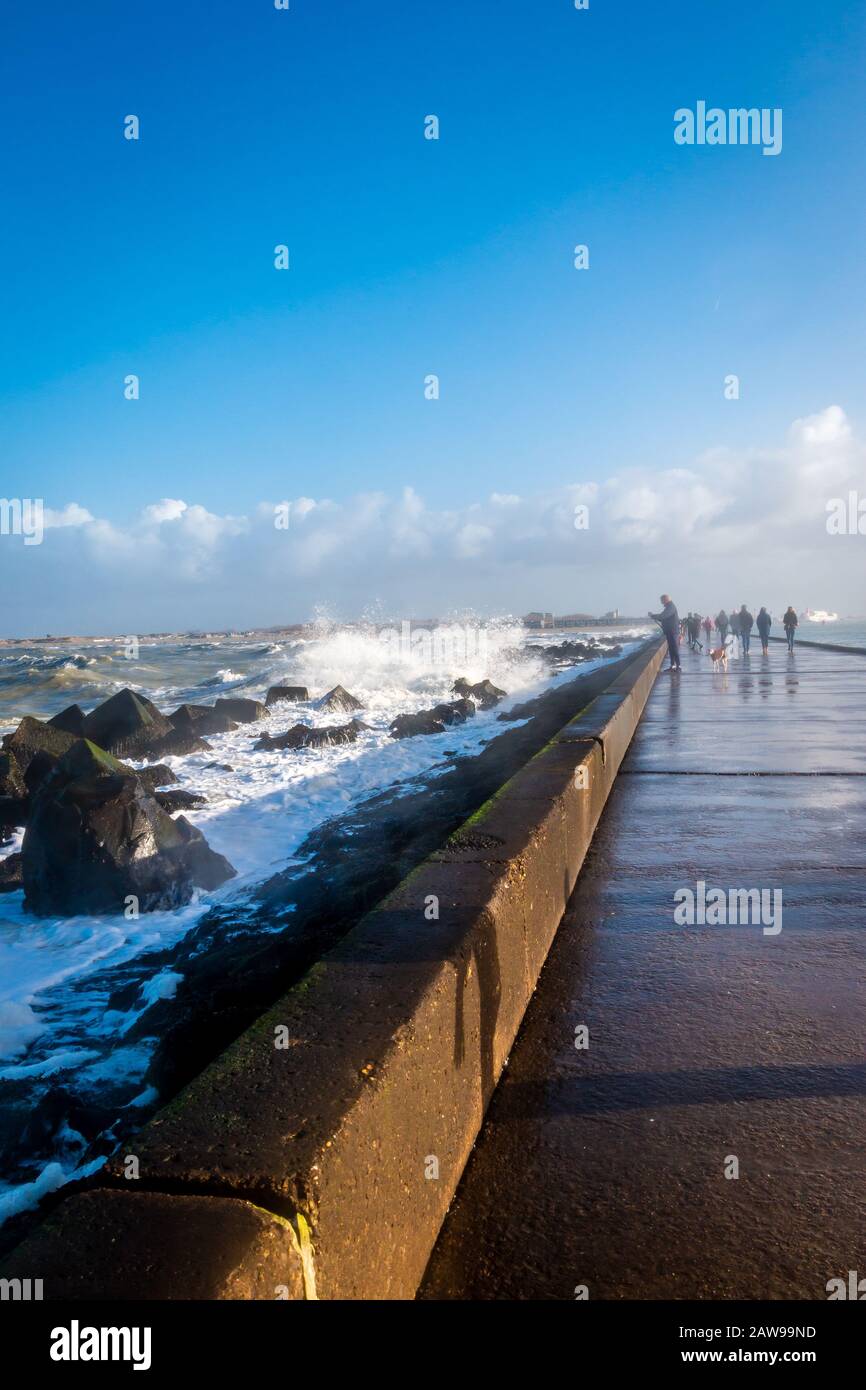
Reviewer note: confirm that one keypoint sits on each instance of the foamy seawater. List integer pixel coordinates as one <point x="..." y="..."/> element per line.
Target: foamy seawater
<point x="56" y="974"/>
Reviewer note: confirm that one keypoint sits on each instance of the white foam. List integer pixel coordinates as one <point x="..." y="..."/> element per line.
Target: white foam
<point x="25" y="1196"/>
<point x="162" y="986"/>
<point x="18" y="1028"/>
<point x="48" y="1066"/>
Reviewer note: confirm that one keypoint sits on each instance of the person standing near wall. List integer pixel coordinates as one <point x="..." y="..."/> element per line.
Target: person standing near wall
<point x="669" y="621"/>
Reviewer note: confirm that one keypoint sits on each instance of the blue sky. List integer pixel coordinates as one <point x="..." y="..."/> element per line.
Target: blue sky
<point x="412" y="256"/>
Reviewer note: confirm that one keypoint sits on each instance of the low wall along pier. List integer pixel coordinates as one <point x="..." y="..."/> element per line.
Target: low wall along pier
<point x="317" y="1157"/>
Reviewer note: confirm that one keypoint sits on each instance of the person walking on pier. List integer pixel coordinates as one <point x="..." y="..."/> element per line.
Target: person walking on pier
<point x="745" y="623"/>
<point x="669" y="621"/>
<point x="708" y="627"/>
<point x="722" y="626"/>
<point x="763" y="623"/>
<point x="735" y="625"/>
<point x="789" y="622"/>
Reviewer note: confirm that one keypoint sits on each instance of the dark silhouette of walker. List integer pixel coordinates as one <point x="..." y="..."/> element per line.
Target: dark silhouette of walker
<point x="789" y="623"/>
<point x="763" y="623"/>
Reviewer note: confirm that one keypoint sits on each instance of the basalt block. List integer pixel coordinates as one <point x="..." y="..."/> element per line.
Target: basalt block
<point x="432" y="721"/>
<point x="158" y="775"/>
<point x="199" y="720"/>
<point x="179" y="799"/>
<point x="178" y="744"/>
<point x="339" y="701"/>
<point x="485" y="693"/>
<point x="28" y="755"/>
<point x="302" y="736"/>
<point x="127" y="725"/>
<point x="31" y="737"/>
<point x="279" y="694"/>
<point x="95" y="838"/>
<point x="242" y="711"/>
<point x="70" y="720"/>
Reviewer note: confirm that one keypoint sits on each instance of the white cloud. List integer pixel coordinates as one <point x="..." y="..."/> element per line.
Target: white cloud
<point x="70" y="515"/>
<point x="472" y="540"/>
<point x="829" y="426"/>
<point x="756" y="517"/>
<point x="169" y="509"/>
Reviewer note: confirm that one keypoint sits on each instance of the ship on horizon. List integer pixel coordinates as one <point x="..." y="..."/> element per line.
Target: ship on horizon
<point x="820" y="615"/>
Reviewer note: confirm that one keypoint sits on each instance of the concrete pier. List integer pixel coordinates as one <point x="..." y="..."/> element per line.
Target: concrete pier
<point x="710" y="1141"/>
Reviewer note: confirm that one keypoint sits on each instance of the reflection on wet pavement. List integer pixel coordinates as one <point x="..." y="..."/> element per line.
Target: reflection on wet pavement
<point x="712" y="1049"/>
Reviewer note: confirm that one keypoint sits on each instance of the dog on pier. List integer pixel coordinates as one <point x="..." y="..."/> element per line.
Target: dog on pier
<point x="719" y="657"/>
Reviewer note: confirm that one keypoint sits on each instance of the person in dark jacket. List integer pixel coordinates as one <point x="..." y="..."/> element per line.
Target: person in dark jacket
<point x="722" y="626"/>
<point x="745" y="623"/>
<point x="763" y="623"/>
<point x="707" y="625"/>
<point x="669" y="620"/>
<point x="789" y="623"/>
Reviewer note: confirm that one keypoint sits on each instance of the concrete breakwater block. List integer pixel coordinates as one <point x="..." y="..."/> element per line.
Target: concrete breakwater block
<point x="109" y="1245"/>
<point x="277" y="694"/>
<point x="243" y="711"/>
<point x="350" y="1108"/>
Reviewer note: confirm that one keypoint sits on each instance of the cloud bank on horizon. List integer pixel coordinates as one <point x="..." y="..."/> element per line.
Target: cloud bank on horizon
<point x="735" y="525"/>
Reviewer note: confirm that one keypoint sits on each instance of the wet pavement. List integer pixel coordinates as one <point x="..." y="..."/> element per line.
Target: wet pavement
<point x="714" y="1049"/>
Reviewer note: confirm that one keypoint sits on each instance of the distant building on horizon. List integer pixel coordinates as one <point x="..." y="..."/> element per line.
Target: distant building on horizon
<point x="574" y="620"/>
<point x="543" y="620"/>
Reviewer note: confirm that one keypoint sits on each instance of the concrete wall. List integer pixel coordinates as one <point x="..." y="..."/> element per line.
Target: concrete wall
<point x="824" y="646"/>
<point x="329" y="1139"/>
